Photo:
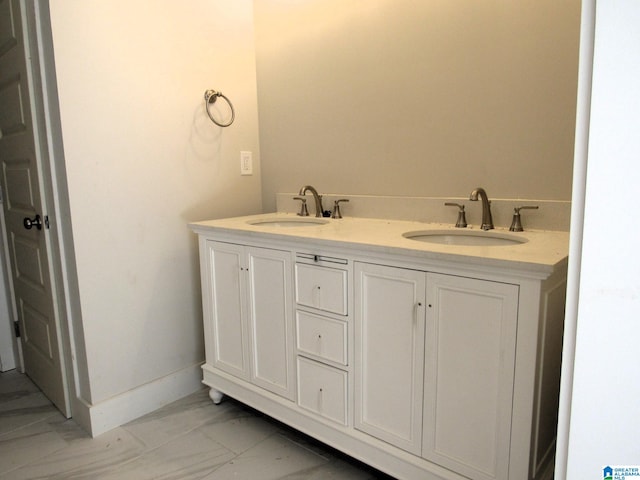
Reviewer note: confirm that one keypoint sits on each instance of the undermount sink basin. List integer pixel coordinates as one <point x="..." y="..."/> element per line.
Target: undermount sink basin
<point x="289" y="222"/>
<point x="468" y="238"/>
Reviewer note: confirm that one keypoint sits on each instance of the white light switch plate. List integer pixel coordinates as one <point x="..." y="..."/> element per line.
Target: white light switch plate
<point x="246" y="163"/>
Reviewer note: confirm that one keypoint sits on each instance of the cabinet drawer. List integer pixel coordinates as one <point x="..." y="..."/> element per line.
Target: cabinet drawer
<point x="323" y="390"/>
<point x="322" y="337"/>
<point x="322" y="288"/>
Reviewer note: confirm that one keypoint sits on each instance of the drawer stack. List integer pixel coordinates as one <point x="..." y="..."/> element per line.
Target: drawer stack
<point x="322" y="326"/>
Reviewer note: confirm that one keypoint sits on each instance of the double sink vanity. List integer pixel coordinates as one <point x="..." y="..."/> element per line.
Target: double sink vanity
<point x="427" y="351"/>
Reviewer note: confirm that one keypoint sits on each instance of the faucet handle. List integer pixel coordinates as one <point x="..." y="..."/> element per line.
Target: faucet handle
<point x="304" y="212"/>
<point x="516" y="223"/>
<point x="462" y="219"/>
<point x="336" y="208"/>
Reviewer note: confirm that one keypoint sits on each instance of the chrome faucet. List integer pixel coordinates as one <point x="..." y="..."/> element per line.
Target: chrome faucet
<point x="487" y="220"/>
<point x="317" y="198"/>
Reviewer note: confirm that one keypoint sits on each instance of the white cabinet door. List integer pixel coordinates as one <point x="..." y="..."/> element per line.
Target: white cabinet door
<point x="249" y="314"/>
<point x="389" y="353"/>
<point x="271" y="320"/>
<point x="223" y="292"/>
<point x="471" y="332"/>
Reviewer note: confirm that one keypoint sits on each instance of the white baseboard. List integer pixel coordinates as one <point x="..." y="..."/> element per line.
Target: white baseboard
<point x="113" y="412"/>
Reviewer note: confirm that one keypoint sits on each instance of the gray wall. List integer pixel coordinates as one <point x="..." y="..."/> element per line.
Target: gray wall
<point x="417" y="98"/>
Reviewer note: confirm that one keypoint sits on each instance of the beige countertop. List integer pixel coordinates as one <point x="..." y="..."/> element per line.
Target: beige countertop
<point x="543" y="251"/>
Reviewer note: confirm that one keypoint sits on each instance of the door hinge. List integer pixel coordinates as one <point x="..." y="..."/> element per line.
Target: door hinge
<point x="16" y="329"/>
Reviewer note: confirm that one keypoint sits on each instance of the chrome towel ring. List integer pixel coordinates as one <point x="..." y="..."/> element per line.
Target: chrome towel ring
<point x="210" y="97"/>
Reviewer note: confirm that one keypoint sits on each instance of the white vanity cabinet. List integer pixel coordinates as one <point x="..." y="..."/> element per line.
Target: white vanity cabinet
<point x="248" y="314"/>
<point x="435" y="365"/>
<point x="426" y="365"/>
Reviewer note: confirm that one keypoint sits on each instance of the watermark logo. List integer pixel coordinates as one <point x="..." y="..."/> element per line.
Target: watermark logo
<point x="621" y="472"/>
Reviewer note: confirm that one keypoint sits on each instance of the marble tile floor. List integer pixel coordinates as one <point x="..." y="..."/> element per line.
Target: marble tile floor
<point x="187" y="440"/>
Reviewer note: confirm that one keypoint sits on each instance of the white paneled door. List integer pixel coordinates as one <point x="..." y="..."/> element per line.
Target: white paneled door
<point x="389" y="349"/>
<point x="25" y="212"/>
<point x="469" y="374"/>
